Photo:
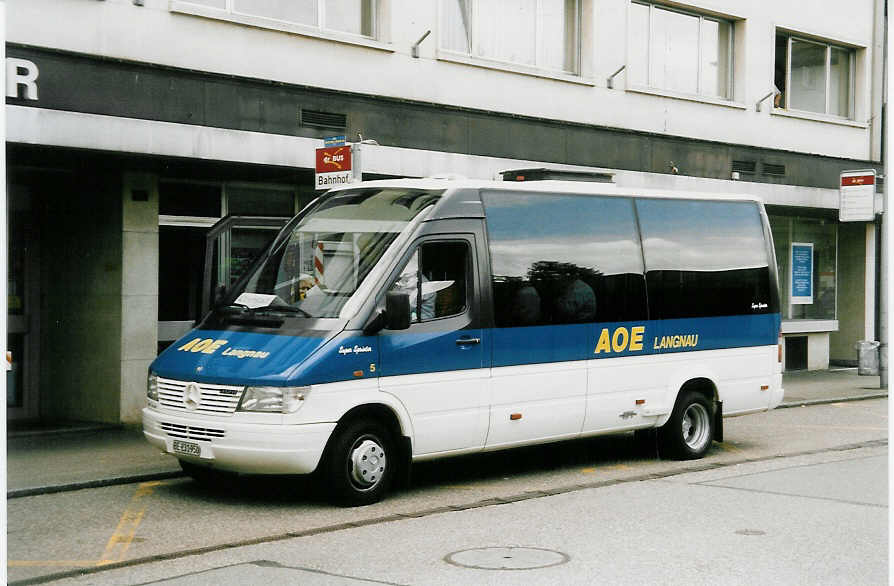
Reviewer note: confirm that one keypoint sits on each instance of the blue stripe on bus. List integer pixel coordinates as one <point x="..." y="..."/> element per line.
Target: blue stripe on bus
<point x="250" y="358"/>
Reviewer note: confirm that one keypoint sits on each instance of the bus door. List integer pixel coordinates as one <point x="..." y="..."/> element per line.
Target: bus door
<point x="438" y="367"/>
<point x="231" y="245"/>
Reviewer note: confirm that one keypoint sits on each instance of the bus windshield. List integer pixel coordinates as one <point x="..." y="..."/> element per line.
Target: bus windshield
<point x="317" y="267"/>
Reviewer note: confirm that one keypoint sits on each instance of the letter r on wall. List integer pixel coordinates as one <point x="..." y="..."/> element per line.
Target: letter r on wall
<point x="21" y="72"/>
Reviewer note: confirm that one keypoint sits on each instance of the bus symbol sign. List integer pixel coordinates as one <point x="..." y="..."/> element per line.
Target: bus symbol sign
<point x="333" y="167"/>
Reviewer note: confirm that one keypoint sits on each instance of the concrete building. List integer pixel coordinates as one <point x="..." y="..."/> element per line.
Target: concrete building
<point x="134" y="125"/>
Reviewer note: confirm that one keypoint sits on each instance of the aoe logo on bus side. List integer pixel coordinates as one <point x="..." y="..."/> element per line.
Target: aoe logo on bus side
<point x="621" y="339"/>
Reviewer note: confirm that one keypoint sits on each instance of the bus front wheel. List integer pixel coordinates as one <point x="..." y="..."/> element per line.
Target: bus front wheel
<point x="361" y="464"/>
<point x="688" y="433"/>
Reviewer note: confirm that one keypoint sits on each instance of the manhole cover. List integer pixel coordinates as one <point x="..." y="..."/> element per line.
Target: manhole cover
<point x="506" y="558"/>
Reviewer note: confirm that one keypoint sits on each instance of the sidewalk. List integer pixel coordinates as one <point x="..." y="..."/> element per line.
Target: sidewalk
<point x="40" y="461"/>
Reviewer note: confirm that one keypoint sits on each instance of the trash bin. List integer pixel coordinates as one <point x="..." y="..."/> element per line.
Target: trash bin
<point x="867" y="357"/>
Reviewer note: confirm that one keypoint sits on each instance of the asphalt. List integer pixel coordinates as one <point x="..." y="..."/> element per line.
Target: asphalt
<point x="55" y="457"/>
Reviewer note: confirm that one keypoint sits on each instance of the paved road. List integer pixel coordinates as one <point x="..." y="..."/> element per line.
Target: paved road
<point x="791" y="482"/>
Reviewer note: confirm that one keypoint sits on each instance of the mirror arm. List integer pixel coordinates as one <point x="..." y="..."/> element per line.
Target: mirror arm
<point x="375" y="323"/>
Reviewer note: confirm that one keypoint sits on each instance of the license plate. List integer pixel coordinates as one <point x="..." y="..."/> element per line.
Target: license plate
<point x="187" y="448"/>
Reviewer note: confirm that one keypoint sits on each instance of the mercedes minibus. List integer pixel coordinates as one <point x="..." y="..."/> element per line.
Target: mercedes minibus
<point x="398" y="321"/>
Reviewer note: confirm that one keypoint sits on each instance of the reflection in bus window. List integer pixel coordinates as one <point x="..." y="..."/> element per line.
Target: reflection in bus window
<point x="704" y="258"/>
<point x="564" y="259"/>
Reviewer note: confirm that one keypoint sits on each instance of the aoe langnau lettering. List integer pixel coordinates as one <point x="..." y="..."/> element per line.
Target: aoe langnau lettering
<point x="620" y="340"/>
<point x="210" y="346"/>
<point x="676" y="341"/>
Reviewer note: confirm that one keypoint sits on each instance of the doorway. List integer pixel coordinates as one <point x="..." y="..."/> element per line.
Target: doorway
<point x="22" y="302"/>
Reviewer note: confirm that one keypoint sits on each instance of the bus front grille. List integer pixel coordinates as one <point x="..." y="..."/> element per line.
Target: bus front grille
<point x="203" y="398"/>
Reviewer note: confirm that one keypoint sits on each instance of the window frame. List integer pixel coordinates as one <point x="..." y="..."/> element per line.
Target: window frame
<point x="468" y="267"/>
<point x="731" y="61"/>
<point x="852" y="81"/>
<point x="472" y="53"/>
<point x="319" y="30"/>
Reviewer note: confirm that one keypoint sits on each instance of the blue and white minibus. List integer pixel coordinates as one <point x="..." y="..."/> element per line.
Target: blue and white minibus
<point x="397" y="321"/>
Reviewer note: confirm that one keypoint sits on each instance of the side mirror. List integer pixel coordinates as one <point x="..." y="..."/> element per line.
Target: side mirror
<point x="397" y="310"/>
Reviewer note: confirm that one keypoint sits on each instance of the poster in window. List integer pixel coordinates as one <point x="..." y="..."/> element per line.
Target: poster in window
<point x="802" y="273"/>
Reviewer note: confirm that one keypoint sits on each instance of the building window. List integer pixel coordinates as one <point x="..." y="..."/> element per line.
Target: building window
<point x="347" y="16"/>
<point x="680" y="51"/>
<point x="539" y="33"/>
<point x="819" y="236"/>
<point x="814" y="77"/>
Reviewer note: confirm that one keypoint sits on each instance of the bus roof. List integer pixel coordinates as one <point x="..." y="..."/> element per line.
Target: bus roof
<point x="547" y="186"/>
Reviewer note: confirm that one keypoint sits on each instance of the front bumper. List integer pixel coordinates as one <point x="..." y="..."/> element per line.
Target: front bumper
<point x="249" y="448"/>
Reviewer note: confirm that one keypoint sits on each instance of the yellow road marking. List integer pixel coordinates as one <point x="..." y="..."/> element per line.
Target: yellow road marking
<point x="121" y="539"/>
<point x="729" y="448"/>
<point x="118" y="543"/>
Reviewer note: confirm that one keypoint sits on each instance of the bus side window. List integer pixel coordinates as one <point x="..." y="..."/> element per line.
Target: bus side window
<point x="436" y="278"/>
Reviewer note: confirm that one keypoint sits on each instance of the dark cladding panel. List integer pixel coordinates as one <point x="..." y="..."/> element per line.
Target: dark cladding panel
<point x="690" y="158"/>
<point x="616" y="150"/>
<point x="229" y="105"/>
<point x="489" y="136"/>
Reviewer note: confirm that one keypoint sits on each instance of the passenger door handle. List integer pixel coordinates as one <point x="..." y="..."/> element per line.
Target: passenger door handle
<point x="468" y="341"/>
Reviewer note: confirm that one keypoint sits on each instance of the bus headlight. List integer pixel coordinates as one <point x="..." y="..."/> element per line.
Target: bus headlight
<point x="273" y="399"/>
<point x="152" y="387"/>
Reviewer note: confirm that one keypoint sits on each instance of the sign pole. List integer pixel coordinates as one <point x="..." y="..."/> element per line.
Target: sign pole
<point x="883" y="288"/>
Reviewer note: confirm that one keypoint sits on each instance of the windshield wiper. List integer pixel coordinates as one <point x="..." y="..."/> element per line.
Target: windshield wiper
<point x="277" y="309"/>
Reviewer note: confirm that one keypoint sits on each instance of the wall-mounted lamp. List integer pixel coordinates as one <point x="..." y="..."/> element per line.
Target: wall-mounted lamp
<point x="773" y="92"/>
<point x="414" y="50"/>
<point x="610" y="80"/>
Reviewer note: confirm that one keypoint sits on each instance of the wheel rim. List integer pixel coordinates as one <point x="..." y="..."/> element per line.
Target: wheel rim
<point x="368" y="462"/>
<point x="696" y="426"/>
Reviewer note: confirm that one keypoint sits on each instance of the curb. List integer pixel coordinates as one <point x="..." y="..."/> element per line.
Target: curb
<point x="808" y="402"/>
<point x="39" y="490"/>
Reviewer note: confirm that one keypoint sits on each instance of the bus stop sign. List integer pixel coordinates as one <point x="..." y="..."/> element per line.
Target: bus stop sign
<point x="856" y="196"/>
<point x="333" y="167"/>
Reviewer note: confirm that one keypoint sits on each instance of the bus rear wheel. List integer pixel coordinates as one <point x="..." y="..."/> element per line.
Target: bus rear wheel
<point x="361" y="463"/>
<point x="688" y="433"/>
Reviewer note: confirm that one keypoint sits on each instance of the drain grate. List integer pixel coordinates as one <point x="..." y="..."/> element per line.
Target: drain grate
<point x="506" y="558"/>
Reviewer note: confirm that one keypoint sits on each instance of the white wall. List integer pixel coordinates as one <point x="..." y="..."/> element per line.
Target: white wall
<point x="152" y="33"/>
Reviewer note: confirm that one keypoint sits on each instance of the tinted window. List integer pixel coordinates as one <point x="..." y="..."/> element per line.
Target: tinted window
<point x="563" y="259"/>
<point x="437" y="283"/>
<point x="705" y="258"/>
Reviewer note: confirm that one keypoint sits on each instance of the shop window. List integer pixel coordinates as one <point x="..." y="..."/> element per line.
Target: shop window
<point x="680" y="51"/>
<point x="356" y="17"/>
<point x="806" y="249"/>
<point x="186" y="211"/>
<point x="813" y="76"/>
<point x="705" y="258"/>
<point x="538" y="33"/>
<point x="583" y="265"/>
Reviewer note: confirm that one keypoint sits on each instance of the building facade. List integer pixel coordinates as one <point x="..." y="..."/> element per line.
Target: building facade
<point x="134" y="125"/>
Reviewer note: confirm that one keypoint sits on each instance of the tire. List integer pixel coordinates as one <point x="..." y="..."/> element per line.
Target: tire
<point x="361" y="462"/>
<point x="688" y="433"/>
